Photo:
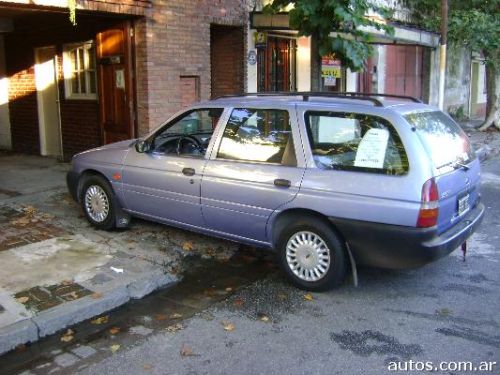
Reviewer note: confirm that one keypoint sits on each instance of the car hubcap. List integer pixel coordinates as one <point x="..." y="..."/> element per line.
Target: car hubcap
<point x="97" y="203"/>
<point x="308" y="256"/>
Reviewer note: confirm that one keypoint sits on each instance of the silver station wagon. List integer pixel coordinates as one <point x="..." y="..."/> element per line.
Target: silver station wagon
<point x="328" y="181"/>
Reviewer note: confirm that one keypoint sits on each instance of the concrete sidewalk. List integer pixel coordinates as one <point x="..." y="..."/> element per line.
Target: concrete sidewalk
<point x="57" y="270"/>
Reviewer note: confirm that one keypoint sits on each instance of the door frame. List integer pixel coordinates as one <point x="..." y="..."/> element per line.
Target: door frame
<point x="40" y="108"/>
<point x="128" y="29"/>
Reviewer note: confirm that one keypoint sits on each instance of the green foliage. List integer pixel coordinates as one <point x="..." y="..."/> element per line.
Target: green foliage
<point x="72" y="11"/>
<point x="473" y="24"/>
<point x="318" y="18"/>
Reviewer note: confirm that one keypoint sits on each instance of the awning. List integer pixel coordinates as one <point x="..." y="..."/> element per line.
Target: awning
<point x="403" y="35"/>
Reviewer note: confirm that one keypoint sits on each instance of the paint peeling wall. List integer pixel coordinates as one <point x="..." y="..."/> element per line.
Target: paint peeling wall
<point x="458" y="81"/>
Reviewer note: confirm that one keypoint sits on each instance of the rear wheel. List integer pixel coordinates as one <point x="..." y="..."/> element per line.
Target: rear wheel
<point x="311" y="254"/>
<point x="98" y="202"/>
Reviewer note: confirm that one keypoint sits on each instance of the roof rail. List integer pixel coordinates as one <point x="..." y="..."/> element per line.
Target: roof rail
<point x="306" y="94"/>
<point x="412" y="98"/>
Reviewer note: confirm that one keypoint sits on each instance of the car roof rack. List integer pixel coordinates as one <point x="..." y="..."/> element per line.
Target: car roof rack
<point x="342" y="95"/>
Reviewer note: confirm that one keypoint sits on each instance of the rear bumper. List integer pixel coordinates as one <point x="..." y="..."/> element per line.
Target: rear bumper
<point x="72" y="182"/>
<point x="394" y="246"/>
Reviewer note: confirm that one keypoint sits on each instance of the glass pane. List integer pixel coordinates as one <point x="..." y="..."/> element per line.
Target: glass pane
<point x="83" y="87"/>
<point x="92" y="83"/>
<point x="73" y="54"/>
<point x="81" y="64"/>
<point x="75" y="85"/>
<point x="355" y="142"/>
<point x="258" y="135"/>
<point x="91" y="56"/>
<point x="198" y="124"/>
<point x="444" y="140"/>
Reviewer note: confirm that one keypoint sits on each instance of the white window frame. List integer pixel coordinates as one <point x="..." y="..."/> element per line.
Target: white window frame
<point x="69" y="72"/>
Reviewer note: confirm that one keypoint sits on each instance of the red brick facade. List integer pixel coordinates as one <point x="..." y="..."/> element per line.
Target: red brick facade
<point x="79" y="118"/>
<point x="175" y="42"/>
<point x="23" y="111"/>
<point x="171" y="61"/>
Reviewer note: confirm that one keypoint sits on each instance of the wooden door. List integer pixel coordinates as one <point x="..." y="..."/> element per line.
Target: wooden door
<point x="115" y="88"/>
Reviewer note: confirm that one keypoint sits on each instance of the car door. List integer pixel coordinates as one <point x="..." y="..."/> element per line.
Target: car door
<point x="164" y="182"/>
<point x="255" y="167"/>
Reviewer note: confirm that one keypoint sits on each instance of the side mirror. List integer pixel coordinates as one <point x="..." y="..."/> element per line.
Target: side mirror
<point x="142" y="146"/>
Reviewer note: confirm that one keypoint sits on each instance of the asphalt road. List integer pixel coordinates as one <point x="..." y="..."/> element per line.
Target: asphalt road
<point x="446" y="311"/>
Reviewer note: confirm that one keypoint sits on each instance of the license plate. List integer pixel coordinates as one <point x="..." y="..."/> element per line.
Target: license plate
<point x="463" y="204"/>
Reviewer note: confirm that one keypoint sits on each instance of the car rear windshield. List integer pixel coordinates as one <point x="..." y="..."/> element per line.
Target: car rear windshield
<point x="444" y="140"/>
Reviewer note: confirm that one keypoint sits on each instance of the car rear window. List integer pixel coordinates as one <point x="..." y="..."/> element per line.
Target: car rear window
<point x="355" y="142"/>
<point x="442" y="137"/>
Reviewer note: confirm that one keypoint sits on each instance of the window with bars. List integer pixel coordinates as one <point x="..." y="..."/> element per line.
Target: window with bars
<point x="80" y="71"/>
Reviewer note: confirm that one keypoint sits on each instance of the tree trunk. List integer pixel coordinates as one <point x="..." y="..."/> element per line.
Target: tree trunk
<point x="492" y="97"/>
<point x="316" y="81"/>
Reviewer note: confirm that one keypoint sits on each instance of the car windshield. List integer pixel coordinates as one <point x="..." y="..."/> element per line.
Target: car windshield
<point x="442" y="137"/>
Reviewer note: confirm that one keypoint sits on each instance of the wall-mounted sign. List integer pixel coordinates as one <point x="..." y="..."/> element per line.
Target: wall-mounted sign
<point x="120" y="78"/>
<point x="330" y="81"/>
<point x="260" y="39"/>
<point x="252" y="58"/>
<point x="331" y="67"/>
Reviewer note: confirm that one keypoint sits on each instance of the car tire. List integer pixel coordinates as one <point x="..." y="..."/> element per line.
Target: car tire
<point x="98" y="202"/>
<point x="311" y="254"/>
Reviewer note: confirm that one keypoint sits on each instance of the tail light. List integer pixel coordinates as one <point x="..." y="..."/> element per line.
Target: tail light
<point x="429" y="208"/>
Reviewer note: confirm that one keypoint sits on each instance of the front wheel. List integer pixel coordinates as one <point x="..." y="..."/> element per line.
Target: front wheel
<point x="98" y="202"/>
<point x="312" y="255"/>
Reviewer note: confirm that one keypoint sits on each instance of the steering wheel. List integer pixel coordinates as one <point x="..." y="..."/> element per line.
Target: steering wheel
<point x="189" y="138"/>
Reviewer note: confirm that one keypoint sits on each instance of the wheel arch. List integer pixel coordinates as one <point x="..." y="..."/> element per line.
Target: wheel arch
<point x="283" y="217"/>
<point x="88" y="173"/>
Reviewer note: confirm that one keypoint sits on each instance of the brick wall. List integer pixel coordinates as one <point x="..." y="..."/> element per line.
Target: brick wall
<point x="172" y="40"/>
<point x="24" y="111"/>
<point x="175" y="42"/>
<point x="79" y="118"/>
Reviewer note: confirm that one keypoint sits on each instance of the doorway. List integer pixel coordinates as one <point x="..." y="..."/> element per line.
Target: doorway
<point x="48" y="101"/>
<point x="117" y="109"/>
<point x="276" y="65"/>
<point x="226" y="60"/>
<point x="404" y="70"/>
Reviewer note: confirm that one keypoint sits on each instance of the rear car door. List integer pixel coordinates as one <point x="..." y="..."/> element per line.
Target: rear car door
<point x="256" y="166"/>
<point x="457" y="168"/>
<point x="164" y="182"/>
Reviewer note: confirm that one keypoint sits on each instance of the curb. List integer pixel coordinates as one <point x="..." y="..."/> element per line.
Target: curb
<point x="57" y="318"/>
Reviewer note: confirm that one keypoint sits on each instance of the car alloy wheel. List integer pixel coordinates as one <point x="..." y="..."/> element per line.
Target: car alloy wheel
<point x="308" y="256"/>
<point x="96" y="203"/>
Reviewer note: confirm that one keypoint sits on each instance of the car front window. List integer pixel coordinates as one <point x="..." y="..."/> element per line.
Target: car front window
<point x="189" y="134"/>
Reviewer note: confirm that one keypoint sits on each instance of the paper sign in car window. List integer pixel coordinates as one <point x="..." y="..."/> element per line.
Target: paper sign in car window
<point x="372" y="148"/>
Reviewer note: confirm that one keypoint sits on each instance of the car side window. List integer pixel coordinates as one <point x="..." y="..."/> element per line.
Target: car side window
<point x="355" y="142"/>
<point x="258" y="135"/>
<point x="189" y="134"/>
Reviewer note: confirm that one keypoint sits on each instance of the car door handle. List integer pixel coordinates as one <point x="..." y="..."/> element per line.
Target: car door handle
<point x="188" y="171"/>
<point x="283" y="183"/>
